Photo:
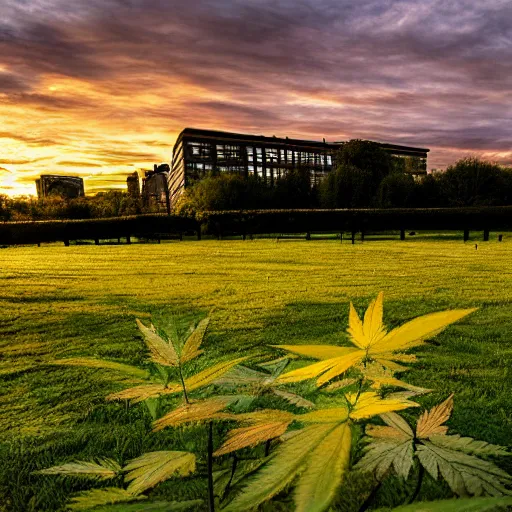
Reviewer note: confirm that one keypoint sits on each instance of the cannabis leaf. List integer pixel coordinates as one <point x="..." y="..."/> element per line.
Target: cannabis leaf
<point x="372" y="342"/>
<point x="106" y="496"/>
<point x="257" y="383"/>
<point x="458" y="505"/>
<point x="152" y="468"/>
<point x="317" y="454"/>
<point x="451" y="456"/>
<point x="103" y="469"/>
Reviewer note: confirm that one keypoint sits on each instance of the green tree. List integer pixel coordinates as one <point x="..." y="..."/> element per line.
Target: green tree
<point x="396" y="190"/>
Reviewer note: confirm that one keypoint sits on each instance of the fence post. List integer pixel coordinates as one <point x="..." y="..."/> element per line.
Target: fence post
<point x="486" y="235"/>
<point x="308" y="236"/>
<point x="353" y="237"/>
<point x="341" y="237"/>
<point x="466" y="235"/>
<point x="128" y="239"/>
<point x="402" y="234"/>
<point x="66" y="243"/>
<point x="500" y="238"/>
<point x="199" y="233"/>
<point x="96" y="241"/>
<point x="362" y="236"/>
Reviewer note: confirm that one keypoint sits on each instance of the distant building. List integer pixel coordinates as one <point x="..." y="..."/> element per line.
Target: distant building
<point x="133" y="184"/>
<point x="69" y="187"/>
<point x="155" y="191"/>
<point x="198" y="152"/>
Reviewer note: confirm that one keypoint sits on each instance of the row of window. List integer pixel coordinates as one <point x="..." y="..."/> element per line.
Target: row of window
<point x="231" y="153"/>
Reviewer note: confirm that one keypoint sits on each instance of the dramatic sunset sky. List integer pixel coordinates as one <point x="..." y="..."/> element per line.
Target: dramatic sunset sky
<point x="99" y="88"/>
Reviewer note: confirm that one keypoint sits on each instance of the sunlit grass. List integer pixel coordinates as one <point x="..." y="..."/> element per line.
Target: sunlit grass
<point x="62" y="302"/>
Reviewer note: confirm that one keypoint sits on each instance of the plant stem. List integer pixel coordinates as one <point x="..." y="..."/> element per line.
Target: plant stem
<point x="368" y="501"/>
<point x="233" y="469"/>
<point x="183" y="385"/>
<point x="421" y="472"/>
<point x="211" y="503"/>
<point x="361" y="380"/>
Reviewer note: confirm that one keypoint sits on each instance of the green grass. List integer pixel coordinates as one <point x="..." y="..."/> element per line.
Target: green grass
<point x="83" y="300"/>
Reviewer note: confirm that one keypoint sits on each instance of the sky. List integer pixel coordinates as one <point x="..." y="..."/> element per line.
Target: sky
<point x="100" y="88"/>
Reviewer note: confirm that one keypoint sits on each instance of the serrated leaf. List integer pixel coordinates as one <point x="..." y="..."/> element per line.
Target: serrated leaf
<point x="398" y="423"/>
<point x="155" y="506"/>
<point x="330" y="368"/>
<point x="355" y="329"/>
<point x="240" y="376"/>
<point x="191" y="348"/>
<point x="151" y="468"/>
<point x="193" y="412"/>
<point x="285" y="462"/>
<point x="430" y="422"/>
<point x="265" y="426"/>
<point x="322" y="352"/>
<point x="331" y="415"/>
<point x="414" y="333"/>
<point x="87" y="500"/>
<point x="382" y="454"/>
<point x="208" y="376"/>
<point x="161" y="352"/>
<point x="340" y="384"/>
<point x="89" y="362"/>
<point x="457" y="505"/>
<point x="372" y="324"/>
<point x="370" y="404"/>
<point x="141" y="393"/>
<point x="103" y="469"/>
<point x="468" y="445"/>
<point x="465" y="474"/>
<point x="324" y="471"/>
<point x="294" y="399"/>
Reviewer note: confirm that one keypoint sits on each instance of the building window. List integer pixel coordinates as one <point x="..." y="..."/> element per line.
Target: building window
<point x="200" y="150"/>
<point x="259" y="155"/>
<point x="271" y="155"/>
<point x="226" y="152"/>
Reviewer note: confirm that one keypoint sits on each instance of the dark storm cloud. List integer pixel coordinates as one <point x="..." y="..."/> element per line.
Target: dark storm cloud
<point x="429" y="73"/>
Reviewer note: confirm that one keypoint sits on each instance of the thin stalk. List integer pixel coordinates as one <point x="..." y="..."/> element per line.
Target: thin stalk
<point x="211" y="503"/>
<point x="267" y="447"/>
<point x="233" y="470"/>
<point x="359" y="390"/>
<point x="183" y="385"/>
<point x="368" y="501"/>
<point x="421" y="473"/>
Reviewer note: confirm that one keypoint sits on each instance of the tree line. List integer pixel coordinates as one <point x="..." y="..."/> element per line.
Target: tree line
<point x="365" y="176"/>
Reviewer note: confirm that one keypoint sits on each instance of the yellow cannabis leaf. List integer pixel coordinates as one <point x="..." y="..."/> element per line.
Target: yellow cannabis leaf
<point x="194" y="412"/>
<point x="371" y="404"/>
<point x="431" y="422"/>
<point x="103" y="469"/>
<point x="152" y="468"/>
<point x="372" y="342"/>
<point x="87" y="500"/>
<point x="162" y="352"/>
<point x="191" y="348"/>
<point x="324" y="471"/>
<point x="141" y="393"/>
<point x="265" y="425"/>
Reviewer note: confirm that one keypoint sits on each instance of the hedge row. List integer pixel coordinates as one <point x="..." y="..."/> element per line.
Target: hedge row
<point x="357" y="220"/>
<point x="259" y="222"/>
<point x="142" y="226"/>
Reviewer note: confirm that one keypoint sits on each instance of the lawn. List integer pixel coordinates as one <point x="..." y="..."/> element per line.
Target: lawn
<point x="60" y="302"/>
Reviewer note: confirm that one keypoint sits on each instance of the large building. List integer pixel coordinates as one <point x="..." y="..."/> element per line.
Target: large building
<point x="69" y="187"/>
<point x="198" y="152"/>
<point x="133" y="185"/>
<point x="155" y="189"/>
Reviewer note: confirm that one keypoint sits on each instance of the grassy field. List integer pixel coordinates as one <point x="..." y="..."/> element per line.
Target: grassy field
<point x="62" y="302"/>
